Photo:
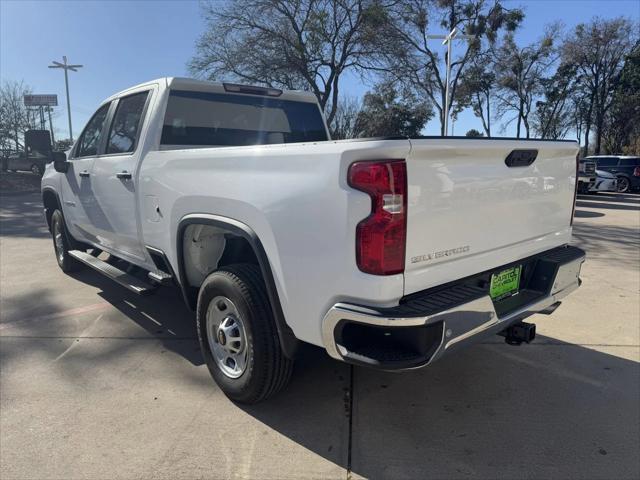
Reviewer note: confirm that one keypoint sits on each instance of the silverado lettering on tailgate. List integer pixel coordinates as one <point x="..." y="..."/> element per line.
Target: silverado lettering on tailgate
<point x="440" y="254"/>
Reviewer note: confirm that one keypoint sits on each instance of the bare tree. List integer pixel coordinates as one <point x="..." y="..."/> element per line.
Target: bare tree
<point x="414" y="59"/>
<point x="305" y="44"/>
<point x="598" y="51"/>
<point x="14" y="116"/>
<point x="520" y="73"/>
<point x="344" y="120"/>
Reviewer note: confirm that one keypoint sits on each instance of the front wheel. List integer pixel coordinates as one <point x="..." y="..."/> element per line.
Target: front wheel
<point x="238" y="335"/>
<point x="623" y="185"/>
<point x="36" y="170"/>
<point x="61" y="244"/>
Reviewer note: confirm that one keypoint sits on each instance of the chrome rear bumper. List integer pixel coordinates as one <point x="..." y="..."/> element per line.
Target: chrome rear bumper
<point x="457" y="325"/>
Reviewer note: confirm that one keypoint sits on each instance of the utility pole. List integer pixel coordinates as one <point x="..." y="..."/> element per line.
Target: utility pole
<point x="74" y="68"/>
<point x="448" y="40"/>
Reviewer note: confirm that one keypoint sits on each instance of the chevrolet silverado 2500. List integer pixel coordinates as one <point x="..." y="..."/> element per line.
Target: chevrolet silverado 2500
<point x="387" y="253"/>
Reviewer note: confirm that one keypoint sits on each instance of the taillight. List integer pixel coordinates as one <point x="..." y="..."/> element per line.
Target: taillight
<point x="575" y="189"/>
<point x="636" y="172"/>
<point x="381" y="237"/>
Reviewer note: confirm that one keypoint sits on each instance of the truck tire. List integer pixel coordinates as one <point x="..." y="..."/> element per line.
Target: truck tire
<point x="238" y="335"/>
<point x="61" y="244"/>
<point x="37" y="170"/>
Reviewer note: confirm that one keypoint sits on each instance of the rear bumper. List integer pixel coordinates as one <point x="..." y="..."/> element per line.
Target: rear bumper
<point x="428" y="325"/>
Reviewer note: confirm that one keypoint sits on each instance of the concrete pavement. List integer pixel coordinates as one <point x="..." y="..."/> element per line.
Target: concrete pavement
<point x="99" y="383"/>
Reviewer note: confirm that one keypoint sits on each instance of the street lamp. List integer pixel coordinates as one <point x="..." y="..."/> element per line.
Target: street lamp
<point x="74" y="68"/>
<point x="448" y="40"/>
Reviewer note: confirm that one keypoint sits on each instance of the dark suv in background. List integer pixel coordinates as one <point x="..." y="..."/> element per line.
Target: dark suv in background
<point x="626" y="168"/>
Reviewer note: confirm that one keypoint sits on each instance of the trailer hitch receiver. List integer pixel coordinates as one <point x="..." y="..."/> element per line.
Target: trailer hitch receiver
<point x="518" y="333"/>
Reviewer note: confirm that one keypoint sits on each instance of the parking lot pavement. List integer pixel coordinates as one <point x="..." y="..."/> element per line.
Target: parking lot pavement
<point x="98" y="383"/>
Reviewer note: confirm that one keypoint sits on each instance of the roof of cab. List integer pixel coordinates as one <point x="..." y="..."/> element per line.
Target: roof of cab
<point x="182" y="83"/>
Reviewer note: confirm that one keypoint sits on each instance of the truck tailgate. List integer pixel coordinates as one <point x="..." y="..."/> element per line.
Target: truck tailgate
<point x="469" y="212"/>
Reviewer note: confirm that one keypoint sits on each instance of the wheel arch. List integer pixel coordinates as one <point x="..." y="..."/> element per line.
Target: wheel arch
<point x="288" y="341"/>
<point x="51" y="202"/>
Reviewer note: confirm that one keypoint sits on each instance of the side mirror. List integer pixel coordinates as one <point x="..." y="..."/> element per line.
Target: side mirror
<point x="60" y="163"/>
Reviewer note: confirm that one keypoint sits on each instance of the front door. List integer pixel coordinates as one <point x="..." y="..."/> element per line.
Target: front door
<point x="78" y="201"/>
<point x="115" y="180"/>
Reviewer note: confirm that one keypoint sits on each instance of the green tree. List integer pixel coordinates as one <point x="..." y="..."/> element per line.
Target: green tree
<point x="473" y="133"/>
<point x="407" y="52"/>
<point x="554" y="116"/>
<point x="476" y="91"/>
<point x="598" y="50"/>
<point x="387" y="112"/>
<point x="520" y="72"/>
<point x="622" y="124"/>
<point x="303" y="44"/>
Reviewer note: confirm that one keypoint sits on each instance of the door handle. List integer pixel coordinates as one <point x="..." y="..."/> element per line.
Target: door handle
<point x="124" y="175"/>
<point x="84" y="173"/>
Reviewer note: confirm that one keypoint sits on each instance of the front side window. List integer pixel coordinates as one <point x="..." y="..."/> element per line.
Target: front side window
<point x="90" y="139"/>
<point x="123" y="134"/>
<point x="217" y="119"/>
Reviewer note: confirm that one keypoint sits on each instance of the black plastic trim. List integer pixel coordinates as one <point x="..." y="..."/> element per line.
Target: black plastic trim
<point x="521" y="158"/>
<point x="288" y="340"/>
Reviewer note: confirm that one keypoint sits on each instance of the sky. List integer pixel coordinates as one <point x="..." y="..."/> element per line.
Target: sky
<point x="122" y="43"/>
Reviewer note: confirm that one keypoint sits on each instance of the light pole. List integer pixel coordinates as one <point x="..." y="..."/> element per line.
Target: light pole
<point x="74" y="68"/>
<point x="448" y="40"/>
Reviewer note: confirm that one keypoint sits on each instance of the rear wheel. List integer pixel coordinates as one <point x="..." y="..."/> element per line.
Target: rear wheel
<point x="36" y="169"/>
<point x="238" y="336"/>
<point x="61" y="244"/>
<point x="623" y="185"/>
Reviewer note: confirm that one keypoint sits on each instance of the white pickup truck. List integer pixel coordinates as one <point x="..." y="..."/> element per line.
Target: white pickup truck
<point x="385" y="252"/>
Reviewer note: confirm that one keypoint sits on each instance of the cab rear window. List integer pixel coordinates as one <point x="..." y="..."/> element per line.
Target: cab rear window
<point x="216" y="119"/>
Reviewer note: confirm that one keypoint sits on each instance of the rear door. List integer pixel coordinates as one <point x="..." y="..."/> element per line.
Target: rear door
<point x="468" y="211"/>
<point x="79" y="203"/>
<point x="115" y="177"/>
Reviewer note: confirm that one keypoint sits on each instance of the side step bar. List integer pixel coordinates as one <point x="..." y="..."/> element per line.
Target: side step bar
<point x="123" y="278"/>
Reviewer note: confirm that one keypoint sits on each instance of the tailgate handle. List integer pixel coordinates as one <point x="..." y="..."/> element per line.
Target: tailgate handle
<point x="521" y="158"/>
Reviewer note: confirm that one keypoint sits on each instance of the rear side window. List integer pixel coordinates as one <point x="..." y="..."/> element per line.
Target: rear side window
<point x="125" y="127"/>
<point x="92" y="134"/>
<point x="215" y="119"/>
<point x="607" y="162"/>
<point x="630" y="162"/>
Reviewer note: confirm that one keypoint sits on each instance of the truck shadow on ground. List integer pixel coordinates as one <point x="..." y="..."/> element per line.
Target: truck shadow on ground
<point x="547" y="409"/>
<point x="162" y="314"/>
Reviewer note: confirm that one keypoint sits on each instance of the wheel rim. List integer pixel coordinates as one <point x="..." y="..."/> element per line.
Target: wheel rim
<point x="623" y="184"/>
<point x="35" y="169"/>
<point x="226" y="337"/>
<point x="58" y="241"/>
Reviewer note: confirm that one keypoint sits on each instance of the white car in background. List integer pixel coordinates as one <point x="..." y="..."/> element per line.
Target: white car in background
<point x="605" y="182"/>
